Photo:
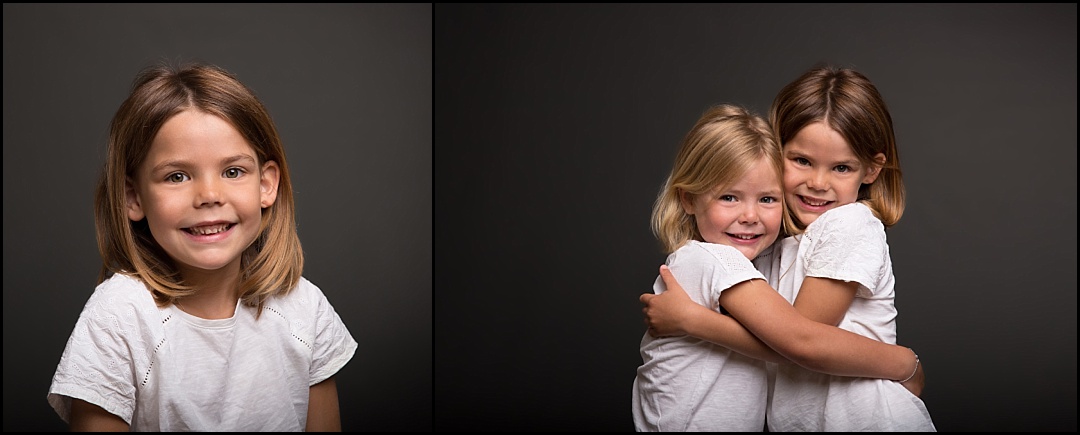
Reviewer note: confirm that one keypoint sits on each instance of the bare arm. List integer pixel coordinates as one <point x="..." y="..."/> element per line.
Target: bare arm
<point x="768" y="316"/>
<point x="825" y="300"/>
<point x="323" y="413"/>
<point x="87" y="417"/>
<point x="674" y="313"/>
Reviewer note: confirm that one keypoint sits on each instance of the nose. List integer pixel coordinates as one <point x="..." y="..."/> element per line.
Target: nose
<point x="819" y="180"/>
<point x="208" y="192"/>
<point x="749" y="214"/>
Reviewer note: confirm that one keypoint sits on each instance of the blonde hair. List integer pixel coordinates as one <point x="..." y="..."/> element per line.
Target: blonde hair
<point x="721" y="147"/>
<point x="272" y="264"/>
<point x="847" y="102"/>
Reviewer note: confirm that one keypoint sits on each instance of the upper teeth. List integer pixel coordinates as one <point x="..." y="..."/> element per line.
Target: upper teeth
<point x="746" y="237"/>
<point x="812" y="202"/>
<point x="212" y="229"/>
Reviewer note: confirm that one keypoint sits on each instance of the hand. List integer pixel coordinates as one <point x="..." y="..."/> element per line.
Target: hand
<point x="916" y="383"/>
<point x="666" y="312"/>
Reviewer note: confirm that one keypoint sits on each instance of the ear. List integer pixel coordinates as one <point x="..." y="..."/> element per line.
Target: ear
<point x="268" y="183"/>
<point x="686" y="200"/>
<point x="132" y="201"/>
<point x="875" y="169"/>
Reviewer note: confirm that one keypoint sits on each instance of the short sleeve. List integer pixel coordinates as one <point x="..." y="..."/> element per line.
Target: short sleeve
<point x="712" y="268"/>
<point x="97" y="365"/>
<point x="848" y="244"/>
<point x="334" y="345"/>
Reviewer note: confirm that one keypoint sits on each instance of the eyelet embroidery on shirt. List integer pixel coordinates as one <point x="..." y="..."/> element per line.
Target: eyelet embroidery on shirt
<point x="276" y="312"/>
<point x="302" y="341"/>
<point x="166" y="319"/>
<point x="294" y="335"/>
<point x="146" y="376"/>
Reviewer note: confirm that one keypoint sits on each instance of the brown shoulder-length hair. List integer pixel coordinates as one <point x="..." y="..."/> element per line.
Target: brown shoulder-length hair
<point x="846" y="101"/>
<point x="273" y="263"/>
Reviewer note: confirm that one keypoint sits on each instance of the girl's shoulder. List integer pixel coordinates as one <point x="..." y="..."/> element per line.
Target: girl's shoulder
<point x="708" y="256"/>
<point x="123" y="306"/>
<point x="846" y="226"/>
<point x="121" y="291"/>
<point x="307" y="310"/>
<point x="304" y="289"/>
<point x="847" y="217"/>
<point x="706" y="250"/>
<point x="857" y="209"/>
<point x="304" y="296"/>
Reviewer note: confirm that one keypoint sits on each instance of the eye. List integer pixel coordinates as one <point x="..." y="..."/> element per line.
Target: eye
<point x="769" y="200"/>
<point x="843" y="168"/>
<point x="233" y="173"/>
<point x="176" y="177"/>
<point x="727" y="198"/>
<point x="801" y="161"/>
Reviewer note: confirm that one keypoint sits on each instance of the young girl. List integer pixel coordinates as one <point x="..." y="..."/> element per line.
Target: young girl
<point x="843" y="187"/>
<point x="201" y="320"/>
<point x="720" y="207"/>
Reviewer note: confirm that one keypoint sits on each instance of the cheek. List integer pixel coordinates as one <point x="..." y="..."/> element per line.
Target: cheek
<point x="159" y="208"/>
<point x="703" y="220"/>
<point x="790" y="179"/>
<point x="773" y="218"/>
<point x="252" y="202"/>
<point x="853" y="190"/>
<point x="710" y="219"/>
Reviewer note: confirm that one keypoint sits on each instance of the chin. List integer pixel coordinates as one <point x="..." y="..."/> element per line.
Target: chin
<point x="806" y="219"/>
<point x="210" y="265"/>
<point x="749" y="252"/>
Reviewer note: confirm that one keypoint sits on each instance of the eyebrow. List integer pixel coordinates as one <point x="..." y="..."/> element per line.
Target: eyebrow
<point x="771" y="192"/>
<point x="180" y="163"/>
<point x="792" y="154"/>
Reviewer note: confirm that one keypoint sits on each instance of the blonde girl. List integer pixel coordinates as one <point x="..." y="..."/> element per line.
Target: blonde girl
<point x="843" y="187"/>
<point x="201" y="319"/>
<point x="720" y="208"/>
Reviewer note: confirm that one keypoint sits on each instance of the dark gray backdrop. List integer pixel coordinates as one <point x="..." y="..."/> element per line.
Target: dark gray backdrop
<point x="556" y="126"/>
<point x="349" y="87"/>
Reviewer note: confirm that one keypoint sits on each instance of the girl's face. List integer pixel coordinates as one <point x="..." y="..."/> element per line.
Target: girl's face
<point x="201" y="191"/>
<point x="821" y="172"/>
<point x="746" y="215"/>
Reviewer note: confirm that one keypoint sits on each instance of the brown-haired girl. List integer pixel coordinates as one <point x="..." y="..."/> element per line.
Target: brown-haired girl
<point x="201" y="320"/>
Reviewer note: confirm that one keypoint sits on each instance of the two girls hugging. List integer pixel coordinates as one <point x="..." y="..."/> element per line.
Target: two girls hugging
<point x="775" y="308"/>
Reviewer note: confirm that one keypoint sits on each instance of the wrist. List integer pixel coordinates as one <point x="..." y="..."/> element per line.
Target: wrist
<point x="695" y="320"/>
<point x="914" y="371"/>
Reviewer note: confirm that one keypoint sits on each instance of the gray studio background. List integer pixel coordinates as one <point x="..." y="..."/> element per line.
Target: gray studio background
<point x="556" y="125"/>
<point x="349" y="88"/>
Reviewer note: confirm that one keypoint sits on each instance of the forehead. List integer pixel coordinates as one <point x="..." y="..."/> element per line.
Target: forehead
<point x="761" y="176"/>
<point x="820" y="140"/>
<point x="762" y="173"/>
<point x="194" y="134"/>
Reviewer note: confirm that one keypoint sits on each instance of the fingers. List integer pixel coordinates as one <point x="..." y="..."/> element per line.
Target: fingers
<point x="669" y="279"/>
<point x="670" y="284"/>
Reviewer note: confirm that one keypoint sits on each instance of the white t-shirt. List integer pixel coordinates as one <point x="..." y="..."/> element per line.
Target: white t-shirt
<point x="161" y="369"/>
<point x="848" y="244"/>
<point x="689" y="384"/>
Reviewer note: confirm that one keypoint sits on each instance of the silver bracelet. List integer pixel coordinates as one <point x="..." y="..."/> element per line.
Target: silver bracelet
<point x="916" y="366"/>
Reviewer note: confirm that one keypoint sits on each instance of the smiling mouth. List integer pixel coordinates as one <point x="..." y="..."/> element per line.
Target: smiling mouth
<point x="208" y="230"/>
<point x="814" y="203"/>
<point x="744" y="236"/>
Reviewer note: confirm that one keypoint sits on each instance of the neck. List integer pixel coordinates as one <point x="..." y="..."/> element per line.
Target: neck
<point x="216" y="291"/>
